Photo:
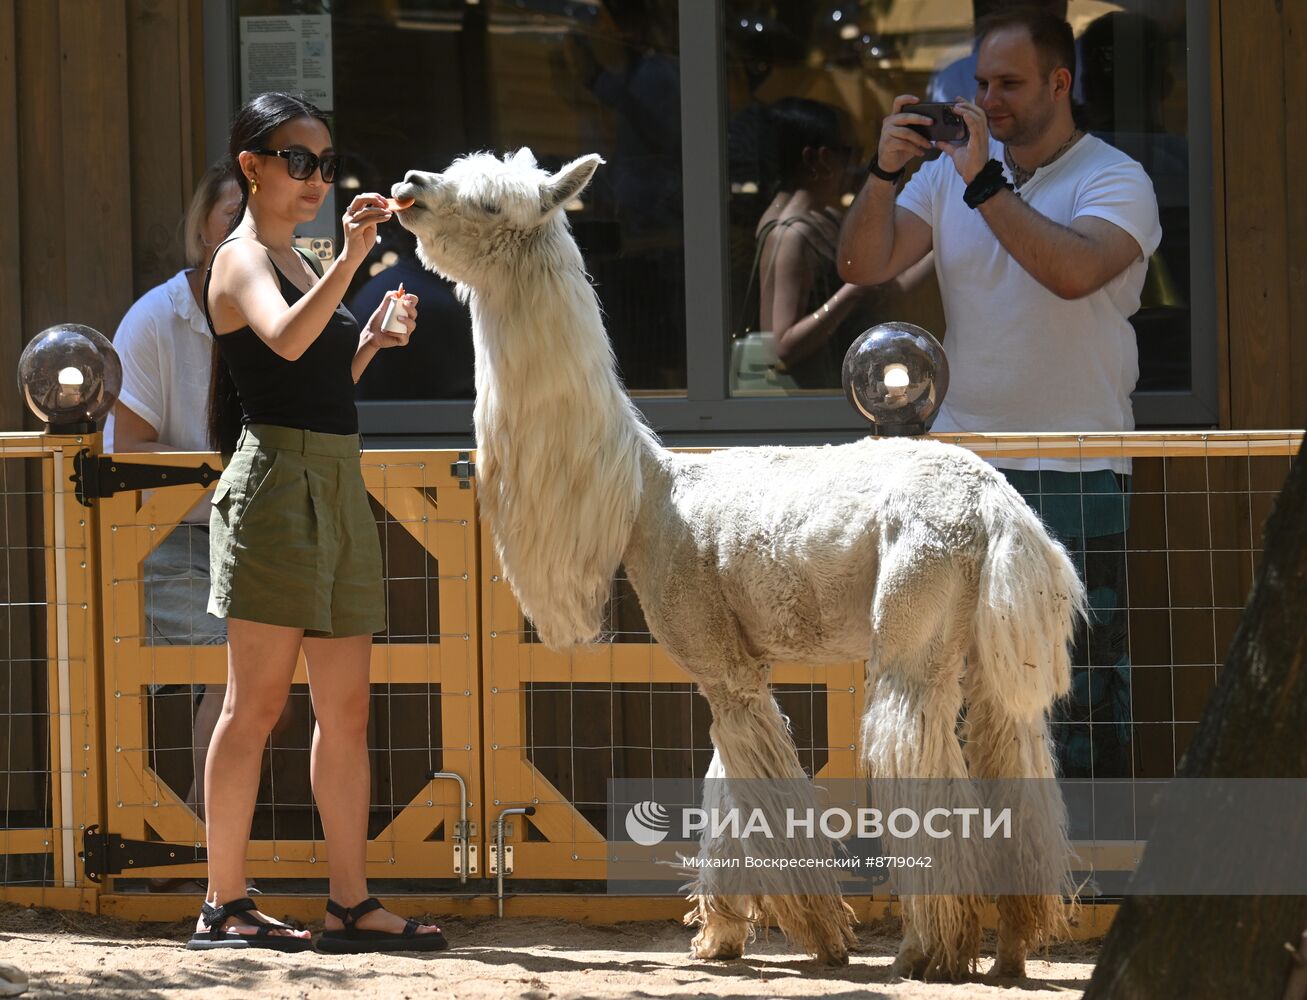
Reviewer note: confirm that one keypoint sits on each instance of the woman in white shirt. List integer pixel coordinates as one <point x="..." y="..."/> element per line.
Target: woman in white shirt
<point x="164" y="342"/>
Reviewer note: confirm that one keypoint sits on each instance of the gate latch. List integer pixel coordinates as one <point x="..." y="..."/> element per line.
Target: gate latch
<point x="464" y="470"/>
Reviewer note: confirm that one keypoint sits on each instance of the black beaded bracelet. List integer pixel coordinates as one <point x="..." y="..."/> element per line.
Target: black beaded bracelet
<point x="885" y="175"/>
<point x="989" y="182"/>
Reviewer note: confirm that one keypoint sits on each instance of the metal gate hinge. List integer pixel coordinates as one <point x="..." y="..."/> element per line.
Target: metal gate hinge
<point x="98" y="476"/>
<point x="108" y="854"/>
<point x="464" y="470"/>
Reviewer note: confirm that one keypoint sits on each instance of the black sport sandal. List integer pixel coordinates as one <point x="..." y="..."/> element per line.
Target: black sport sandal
<point x="215" y="918"/>
<point x="352" y="940"/>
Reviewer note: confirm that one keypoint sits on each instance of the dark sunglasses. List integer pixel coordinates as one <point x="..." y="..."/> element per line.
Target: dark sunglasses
<point x="300" y="163"/>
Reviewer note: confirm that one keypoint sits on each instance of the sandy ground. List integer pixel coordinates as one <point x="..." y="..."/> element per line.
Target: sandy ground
<point x="77" y="955"/>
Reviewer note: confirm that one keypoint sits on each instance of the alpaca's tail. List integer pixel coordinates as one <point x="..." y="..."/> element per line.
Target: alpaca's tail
<point x="1030" y="600"/>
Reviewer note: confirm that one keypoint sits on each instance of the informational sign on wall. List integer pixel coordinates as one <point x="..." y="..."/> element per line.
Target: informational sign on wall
<point x="287" y="53"/>
<point x="292" y="54"/>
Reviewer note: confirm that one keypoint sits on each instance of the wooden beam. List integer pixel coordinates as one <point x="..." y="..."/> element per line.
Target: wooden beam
<point x="159" y="113"/>
<point x="14" y="336"/>
<point x="1219" y="271"/>
<point x="1295" y="153"/>
<point x="95" y="165"/>
<point x="40" y="174"/>
<point x="194" y="83"/>
<point x="1257" y="237"/>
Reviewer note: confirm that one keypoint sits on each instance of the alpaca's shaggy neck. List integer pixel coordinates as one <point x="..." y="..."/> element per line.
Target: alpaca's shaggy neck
<point x="559" y="442"/>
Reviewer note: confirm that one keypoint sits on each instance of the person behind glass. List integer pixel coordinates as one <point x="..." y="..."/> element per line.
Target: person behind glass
<point x="1041" y="236"/>
<point x="811" y="312"/>
<point x="295" y="559"/>
<point x="642" y="88"/>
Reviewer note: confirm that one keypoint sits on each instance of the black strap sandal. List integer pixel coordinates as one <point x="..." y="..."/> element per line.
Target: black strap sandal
<point x="353" y="940"/>
<point x="217" y="936"/>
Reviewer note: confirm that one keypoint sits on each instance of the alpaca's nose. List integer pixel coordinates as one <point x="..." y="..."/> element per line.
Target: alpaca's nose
<point x="416" y="185"/>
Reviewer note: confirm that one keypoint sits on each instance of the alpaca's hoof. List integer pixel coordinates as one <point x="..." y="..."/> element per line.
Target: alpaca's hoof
<point x="834" y="958"/>
<point x="909" y="965"/>
<point x="923" y="967"/>
<point x="716" y="947"/>
<point x="1009" y="968"/>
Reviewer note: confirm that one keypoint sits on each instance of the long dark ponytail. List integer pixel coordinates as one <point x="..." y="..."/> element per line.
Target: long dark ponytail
<point x="250" y="129"/>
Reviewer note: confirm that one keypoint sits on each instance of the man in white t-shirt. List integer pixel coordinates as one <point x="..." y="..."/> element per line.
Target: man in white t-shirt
<point x="1041" y="236"/>
<point x="1039" y="279"/>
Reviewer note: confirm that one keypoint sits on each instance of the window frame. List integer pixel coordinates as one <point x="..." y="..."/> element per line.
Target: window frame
<point x="706" y="413"/>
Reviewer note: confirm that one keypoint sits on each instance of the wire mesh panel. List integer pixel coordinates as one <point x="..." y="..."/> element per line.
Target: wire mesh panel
<point x="48" y="694"/>
<point x="1168" y="547"/>
<point x="559" y="726"/>
<point x="166" y="672"/>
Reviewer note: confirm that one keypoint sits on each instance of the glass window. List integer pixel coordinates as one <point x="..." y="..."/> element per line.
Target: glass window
<point x="808" y="86"/>
<point x="1134" y="87"/>
<point x="417" y="84"/>
<point x="778" y="104"/>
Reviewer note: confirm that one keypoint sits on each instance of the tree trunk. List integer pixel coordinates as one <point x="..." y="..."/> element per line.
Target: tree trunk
<point x="1255" y="726"/>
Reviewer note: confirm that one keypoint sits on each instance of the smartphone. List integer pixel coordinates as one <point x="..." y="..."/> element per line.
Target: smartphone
<point x="320" y="246"/>
<point x="946" y="124"/>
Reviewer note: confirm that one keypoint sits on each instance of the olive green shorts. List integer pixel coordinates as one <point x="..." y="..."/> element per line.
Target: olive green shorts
<point x="292" y="539"/>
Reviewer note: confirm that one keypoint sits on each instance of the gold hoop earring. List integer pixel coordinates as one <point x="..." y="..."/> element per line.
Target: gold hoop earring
<point x="254" y="187"/>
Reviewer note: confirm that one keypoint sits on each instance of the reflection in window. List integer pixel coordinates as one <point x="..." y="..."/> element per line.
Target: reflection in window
<point x="806" y="315"/>
<point x="1133" y="73"/>
<point x="837" y="65"/>
<point x="421" y="82"/>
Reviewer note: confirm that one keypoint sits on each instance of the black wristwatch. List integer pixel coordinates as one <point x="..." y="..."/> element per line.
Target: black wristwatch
<point x="885" y="175"/>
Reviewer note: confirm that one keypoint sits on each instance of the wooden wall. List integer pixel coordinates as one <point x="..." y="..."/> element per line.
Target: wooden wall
<point x="1263" y="83"/>
<point x="11" y="302"/>
<point x="100" y="129"/>
<point x="97" y="161"/>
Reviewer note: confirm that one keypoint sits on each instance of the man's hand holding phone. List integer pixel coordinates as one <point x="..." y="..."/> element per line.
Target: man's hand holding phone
<point x="900" y="142"/>
<point x="970" y="156"/>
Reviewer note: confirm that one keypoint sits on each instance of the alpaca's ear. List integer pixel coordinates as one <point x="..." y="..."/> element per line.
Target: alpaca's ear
<point x="521" y="158"/>
<point x="565" y="185"/>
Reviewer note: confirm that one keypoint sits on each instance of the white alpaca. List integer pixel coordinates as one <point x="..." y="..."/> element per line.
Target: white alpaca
<point x="912" y="554"/>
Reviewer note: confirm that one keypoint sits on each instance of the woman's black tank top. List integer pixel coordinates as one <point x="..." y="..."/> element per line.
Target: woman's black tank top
<point x="314" y="393"/>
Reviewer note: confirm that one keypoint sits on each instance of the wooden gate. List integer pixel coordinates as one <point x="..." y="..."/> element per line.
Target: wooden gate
<point x="425" y="818"/>
<point x="50" y="643"/>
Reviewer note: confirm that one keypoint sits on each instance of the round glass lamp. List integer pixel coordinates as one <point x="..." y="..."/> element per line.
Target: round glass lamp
<point x="895" y="375"/>
<point x="70" y="376"/>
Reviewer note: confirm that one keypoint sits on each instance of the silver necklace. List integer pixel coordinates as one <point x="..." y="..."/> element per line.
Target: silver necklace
<point x="1020" y="175"/>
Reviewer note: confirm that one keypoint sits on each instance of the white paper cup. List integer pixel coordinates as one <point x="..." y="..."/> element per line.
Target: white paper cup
<point x="392" y="320"/>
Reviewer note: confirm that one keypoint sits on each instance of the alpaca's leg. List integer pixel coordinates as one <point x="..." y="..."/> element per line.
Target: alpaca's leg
<point x="726" y="922"/>
<point x="1003" y="744"/>
<point x="909" y="733"/>
<point x="920" y="625"/>
<point x="1019" y="919"/>
<point x="753" y="741"/>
